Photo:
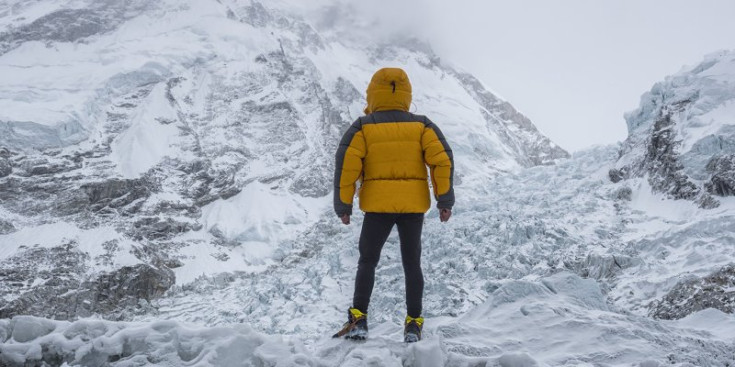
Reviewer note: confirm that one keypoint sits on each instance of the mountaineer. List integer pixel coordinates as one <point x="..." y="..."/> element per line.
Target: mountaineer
<point x="388" y="150"/>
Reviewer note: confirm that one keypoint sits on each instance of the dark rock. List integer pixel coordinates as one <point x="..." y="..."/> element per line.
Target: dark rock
<point x="41" y="170"/>
<point x="722" y="181"/>
<point x="67" y="293"/>
<point x="6" y="227"/>
<point x="155" y="228"/>
<point x="65" y="25"/>
<point x="603" y="266"/>
<point x="716" y="290"/>
<point x="173" y="263"/>
<point x="206" y="199"/>
<point x="624" y="193"/>
<point x="198" y="179"/>
<point x="221" y="239"/>
<point x="115" y="193"/>
<point x="71" y="25"/>
<point x="56" y="271"/>
<point x="662" y="164"/>
<point x="42" y="166"/>
<point x="229" y="192"/>
<point x="707" y="201"/>
<point x="27" y="165"/>
<point x="314" y="183"/>
<point x="616" y="175"/>
<point x="5" y="168"/>
<point x="662" y="160"/>
<point x="127" y="285"/>
<point x="257" y="15"/>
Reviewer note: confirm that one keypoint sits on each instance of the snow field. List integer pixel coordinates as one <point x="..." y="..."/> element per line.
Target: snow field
<point x="561" y="320"/>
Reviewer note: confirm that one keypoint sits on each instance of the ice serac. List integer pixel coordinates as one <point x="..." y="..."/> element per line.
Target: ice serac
<point x="198" y="136"/>
<point x="682" y="137"/>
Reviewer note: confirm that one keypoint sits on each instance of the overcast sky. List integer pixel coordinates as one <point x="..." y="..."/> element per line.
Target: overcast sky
<point x="573" y="66"/>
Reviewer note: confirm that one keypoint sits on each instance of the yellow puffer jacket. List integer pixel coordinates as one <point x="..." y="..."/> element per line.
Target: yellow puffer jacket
<point x="389" y="150"/>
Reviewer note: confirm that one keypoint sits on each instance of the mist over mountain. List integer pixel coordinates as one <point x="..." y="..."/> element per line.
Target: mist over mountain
<point x="165" y="197"/>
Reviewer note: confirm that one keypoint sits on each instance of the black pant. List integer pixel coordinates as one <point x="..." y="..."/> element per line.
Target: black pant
<point x="375" y="230"/>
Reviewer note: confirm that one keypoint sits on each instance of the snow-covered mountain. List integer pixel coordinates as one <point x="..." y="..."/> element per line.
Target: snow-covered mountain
<point x="168" y="165"/>
<point x="196" y="136"/>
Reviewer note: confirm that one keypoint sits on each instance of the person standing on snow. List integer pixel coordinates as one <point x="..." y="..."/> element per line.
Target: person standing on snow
<point x="388" y="149"/>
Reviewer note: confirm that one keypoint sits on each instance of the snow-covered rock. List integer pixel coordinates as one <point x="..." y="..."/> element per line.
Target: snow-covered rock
<point x="722" y="169"/>
<point x="716" y="290"/>
<point x="33" y="341"/>
<point x="681" y="136"/>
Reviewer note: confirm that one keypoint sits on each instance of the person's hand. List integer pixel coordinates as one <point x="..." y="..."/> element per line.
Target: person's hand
<point x="345" y="219"/>
<point x="444" y="214"/>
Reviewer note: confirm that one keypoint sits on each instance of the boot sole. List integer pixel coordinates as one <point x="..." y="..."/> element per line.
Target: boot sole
<point x="411" y="338"/>
<point x="356" y="335"/>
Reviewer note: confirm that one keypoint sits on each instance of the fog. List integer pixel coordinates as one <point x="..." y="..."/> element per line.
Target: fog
<point x="573" y="66"/>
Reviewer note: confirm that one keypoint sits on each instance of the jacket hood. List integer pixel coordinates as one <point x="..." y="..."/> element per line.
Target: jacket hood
<point x="389" y="89"/>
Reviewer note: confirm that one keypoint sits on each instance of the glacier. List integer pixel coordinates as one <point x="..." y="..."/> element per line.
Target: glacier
<point x="165" y="190"/>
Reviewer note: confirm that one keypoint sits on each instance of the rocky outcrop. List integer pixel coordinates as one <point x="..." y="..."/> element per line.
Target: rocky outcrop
<point x="116" y="295"/>
<point x="154" y="228"/>
<point x="70" y="194"/>
<point x="661" y="164"/>
<point x="666" y="143"/>
<point x="6" y="227"/>
<point x="602" y="266"/>
<point x="5" y="168"/>
<point x="722" y="169"/>
<point x="124" y="288"/>
<point x="716" y="290"/>
<point x="115" y="193"/>
<point x="70" y="25"/>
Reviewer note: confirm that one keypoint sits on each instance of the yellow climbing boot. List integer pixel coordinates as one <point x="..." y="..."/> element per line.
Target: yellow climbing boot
<point x="356" y="327"/>
<point x="412" y="329"/>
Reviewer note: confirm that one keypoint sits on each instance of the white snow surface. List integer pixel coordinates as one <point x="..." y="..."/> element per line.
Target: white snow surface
<point x="145" y="144"/>
<point x="561" y="320"/>
<point x="259" y="214"/>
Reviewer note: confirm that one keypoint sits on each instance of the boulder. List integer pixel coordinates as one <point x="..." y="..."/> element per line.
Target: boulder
<point x="716" y="290"/>
<point x="5" y="168"/>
